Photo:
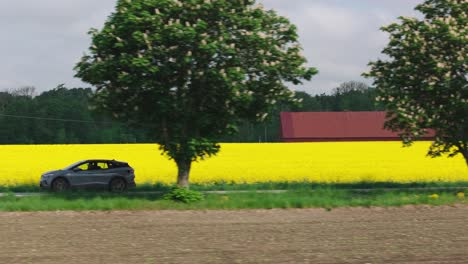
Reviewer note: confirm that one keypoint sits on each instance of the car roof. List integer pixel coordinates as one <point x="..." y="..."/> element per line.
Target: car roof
<point x="102" y="160"/>
<point x="119" y="163"/>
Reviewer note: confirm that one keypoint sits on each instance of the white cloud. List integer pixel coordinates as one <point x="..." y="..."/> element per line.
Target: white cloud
<point x="341" y="37"/>
<point x="337" y="23"/>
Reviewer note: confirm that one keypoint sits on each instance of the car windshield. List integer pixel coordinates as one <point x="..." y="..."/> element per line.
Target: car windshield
<point x="73" y="165"/>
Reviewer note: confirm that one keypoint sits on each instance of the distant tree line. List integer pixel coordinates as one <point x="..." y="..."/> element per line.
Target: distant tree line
<point x="349" y="96"/>
<point x="58" y="116"/>
<point x="63" y="116"/>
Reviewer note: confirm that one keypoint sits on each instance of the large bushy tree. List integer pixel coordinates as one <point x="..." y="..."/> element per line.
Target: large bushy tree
<point x="423" y="82"/>
<point x="192" y="69"/>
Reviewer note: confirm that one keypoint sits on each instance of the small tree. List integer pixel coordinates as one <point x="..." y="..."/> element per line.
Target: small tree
<point x="192" y="69"/>
<point x="423" y="83"/>
<point x="350" y="86"/>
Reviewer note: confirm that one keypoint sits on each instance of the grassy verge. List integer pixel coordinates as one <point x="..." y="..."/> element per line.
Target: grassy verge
<point x="321" y="198"/>
<point x="292" y="186"/>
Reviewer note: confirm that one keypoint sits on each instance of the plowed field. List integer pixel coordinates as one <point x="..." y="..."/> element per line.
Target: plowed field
<point x="358" y="235"/>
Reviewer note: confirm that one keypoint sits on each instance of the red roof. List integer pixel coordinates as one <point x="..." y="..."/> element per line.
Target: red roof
<point x="336" y="126"/>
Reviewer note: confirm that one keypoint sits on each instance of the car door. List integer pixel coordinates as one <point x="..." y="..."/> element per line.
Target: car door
<point x="80" y="175"/>
<point x="102" y="174"/>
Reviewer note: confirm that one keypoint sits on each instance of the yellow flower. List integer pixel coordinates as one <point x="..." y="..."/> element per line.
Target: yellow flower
<point x="434" y="196"/>
<point x="331" y="162"/>
<point x="461" y="195"/>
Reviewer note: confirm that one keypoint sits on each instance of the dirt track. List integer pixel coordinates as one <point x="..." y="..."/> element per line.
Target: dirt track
<point x="359" y="235"/>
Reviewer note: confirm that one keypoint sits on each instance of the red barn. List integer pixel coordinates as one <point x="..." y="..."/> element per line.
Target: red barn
<point x="336" y="126"/>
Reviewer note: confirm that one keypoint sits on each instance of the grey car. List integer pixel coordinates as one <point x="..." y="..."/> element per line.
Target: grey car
<point x="117" y="176"/>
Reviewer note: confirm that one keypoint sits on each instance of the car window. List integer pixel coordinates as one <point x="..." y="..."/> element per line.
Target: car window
<point x="83" y="167"/>
<point x="95" y="165"/>
<point x="92" y="166"/>
<point x="116" y="164"/>
<point x="73" y="166"/>
<point x="103" y="165"/>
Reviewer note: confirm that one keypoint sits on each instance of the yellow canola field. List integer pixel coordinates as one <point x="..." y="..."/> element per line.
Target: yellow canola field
<point x="336" y="162"/>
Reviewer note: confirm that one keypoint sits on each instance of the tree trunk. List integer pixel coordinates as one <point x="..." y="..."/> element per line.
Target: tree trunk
<point x="183" y="173"/>
<point x="465" y="155"/>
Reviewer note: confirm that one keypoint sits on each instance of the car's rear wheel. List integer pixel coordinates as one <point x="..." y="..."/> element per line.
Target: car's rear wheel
<point x="60" y="185"/>
<point x="117" y="185"/>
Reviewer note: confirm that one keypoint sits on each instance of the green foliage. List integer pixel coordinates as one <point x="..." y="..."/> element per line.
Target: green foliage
<point x="193" y="69"/>
<point x="183" y="195"/>
<point x="423" y="83"/>
<point x="321" y="197"/>
<point x="101" y="128"/>
<point x="59" y="116"/>
<point x="197" y="148"/>
<point x="269" y="129"/>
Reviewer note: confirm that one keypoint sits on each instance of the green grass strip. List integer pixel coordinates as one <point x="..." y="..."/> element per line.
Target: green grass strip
<point x="319" y="198"/>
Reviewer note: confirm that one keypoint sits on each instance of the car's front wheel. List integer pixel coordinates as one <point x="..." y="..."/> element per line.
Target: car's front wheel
<point x="117" y="185"/>
<point x="60" y="185"/>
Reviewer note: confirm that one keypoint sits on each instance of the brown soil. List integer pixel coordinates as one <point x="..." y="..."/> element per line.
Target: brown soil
<point x="359" y="235"/>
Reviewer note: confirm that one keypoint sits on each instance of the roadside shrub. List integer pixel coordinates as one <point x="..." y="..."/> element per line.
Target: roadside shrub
<point x="183" y="195"/>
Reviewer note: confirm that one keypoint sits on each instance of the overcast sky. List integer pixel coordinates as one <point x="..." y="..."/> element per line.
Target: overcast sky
<point x="43" y="39"/>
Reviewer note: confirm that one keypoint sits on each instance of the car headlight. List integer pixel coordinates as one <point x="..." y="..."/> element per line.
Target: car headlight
<point x="47" y="176"/>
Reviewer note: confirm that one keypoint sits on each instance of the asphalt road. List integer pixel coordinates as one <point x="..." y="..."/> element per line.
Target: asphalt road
<point x="26" y="194"/>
